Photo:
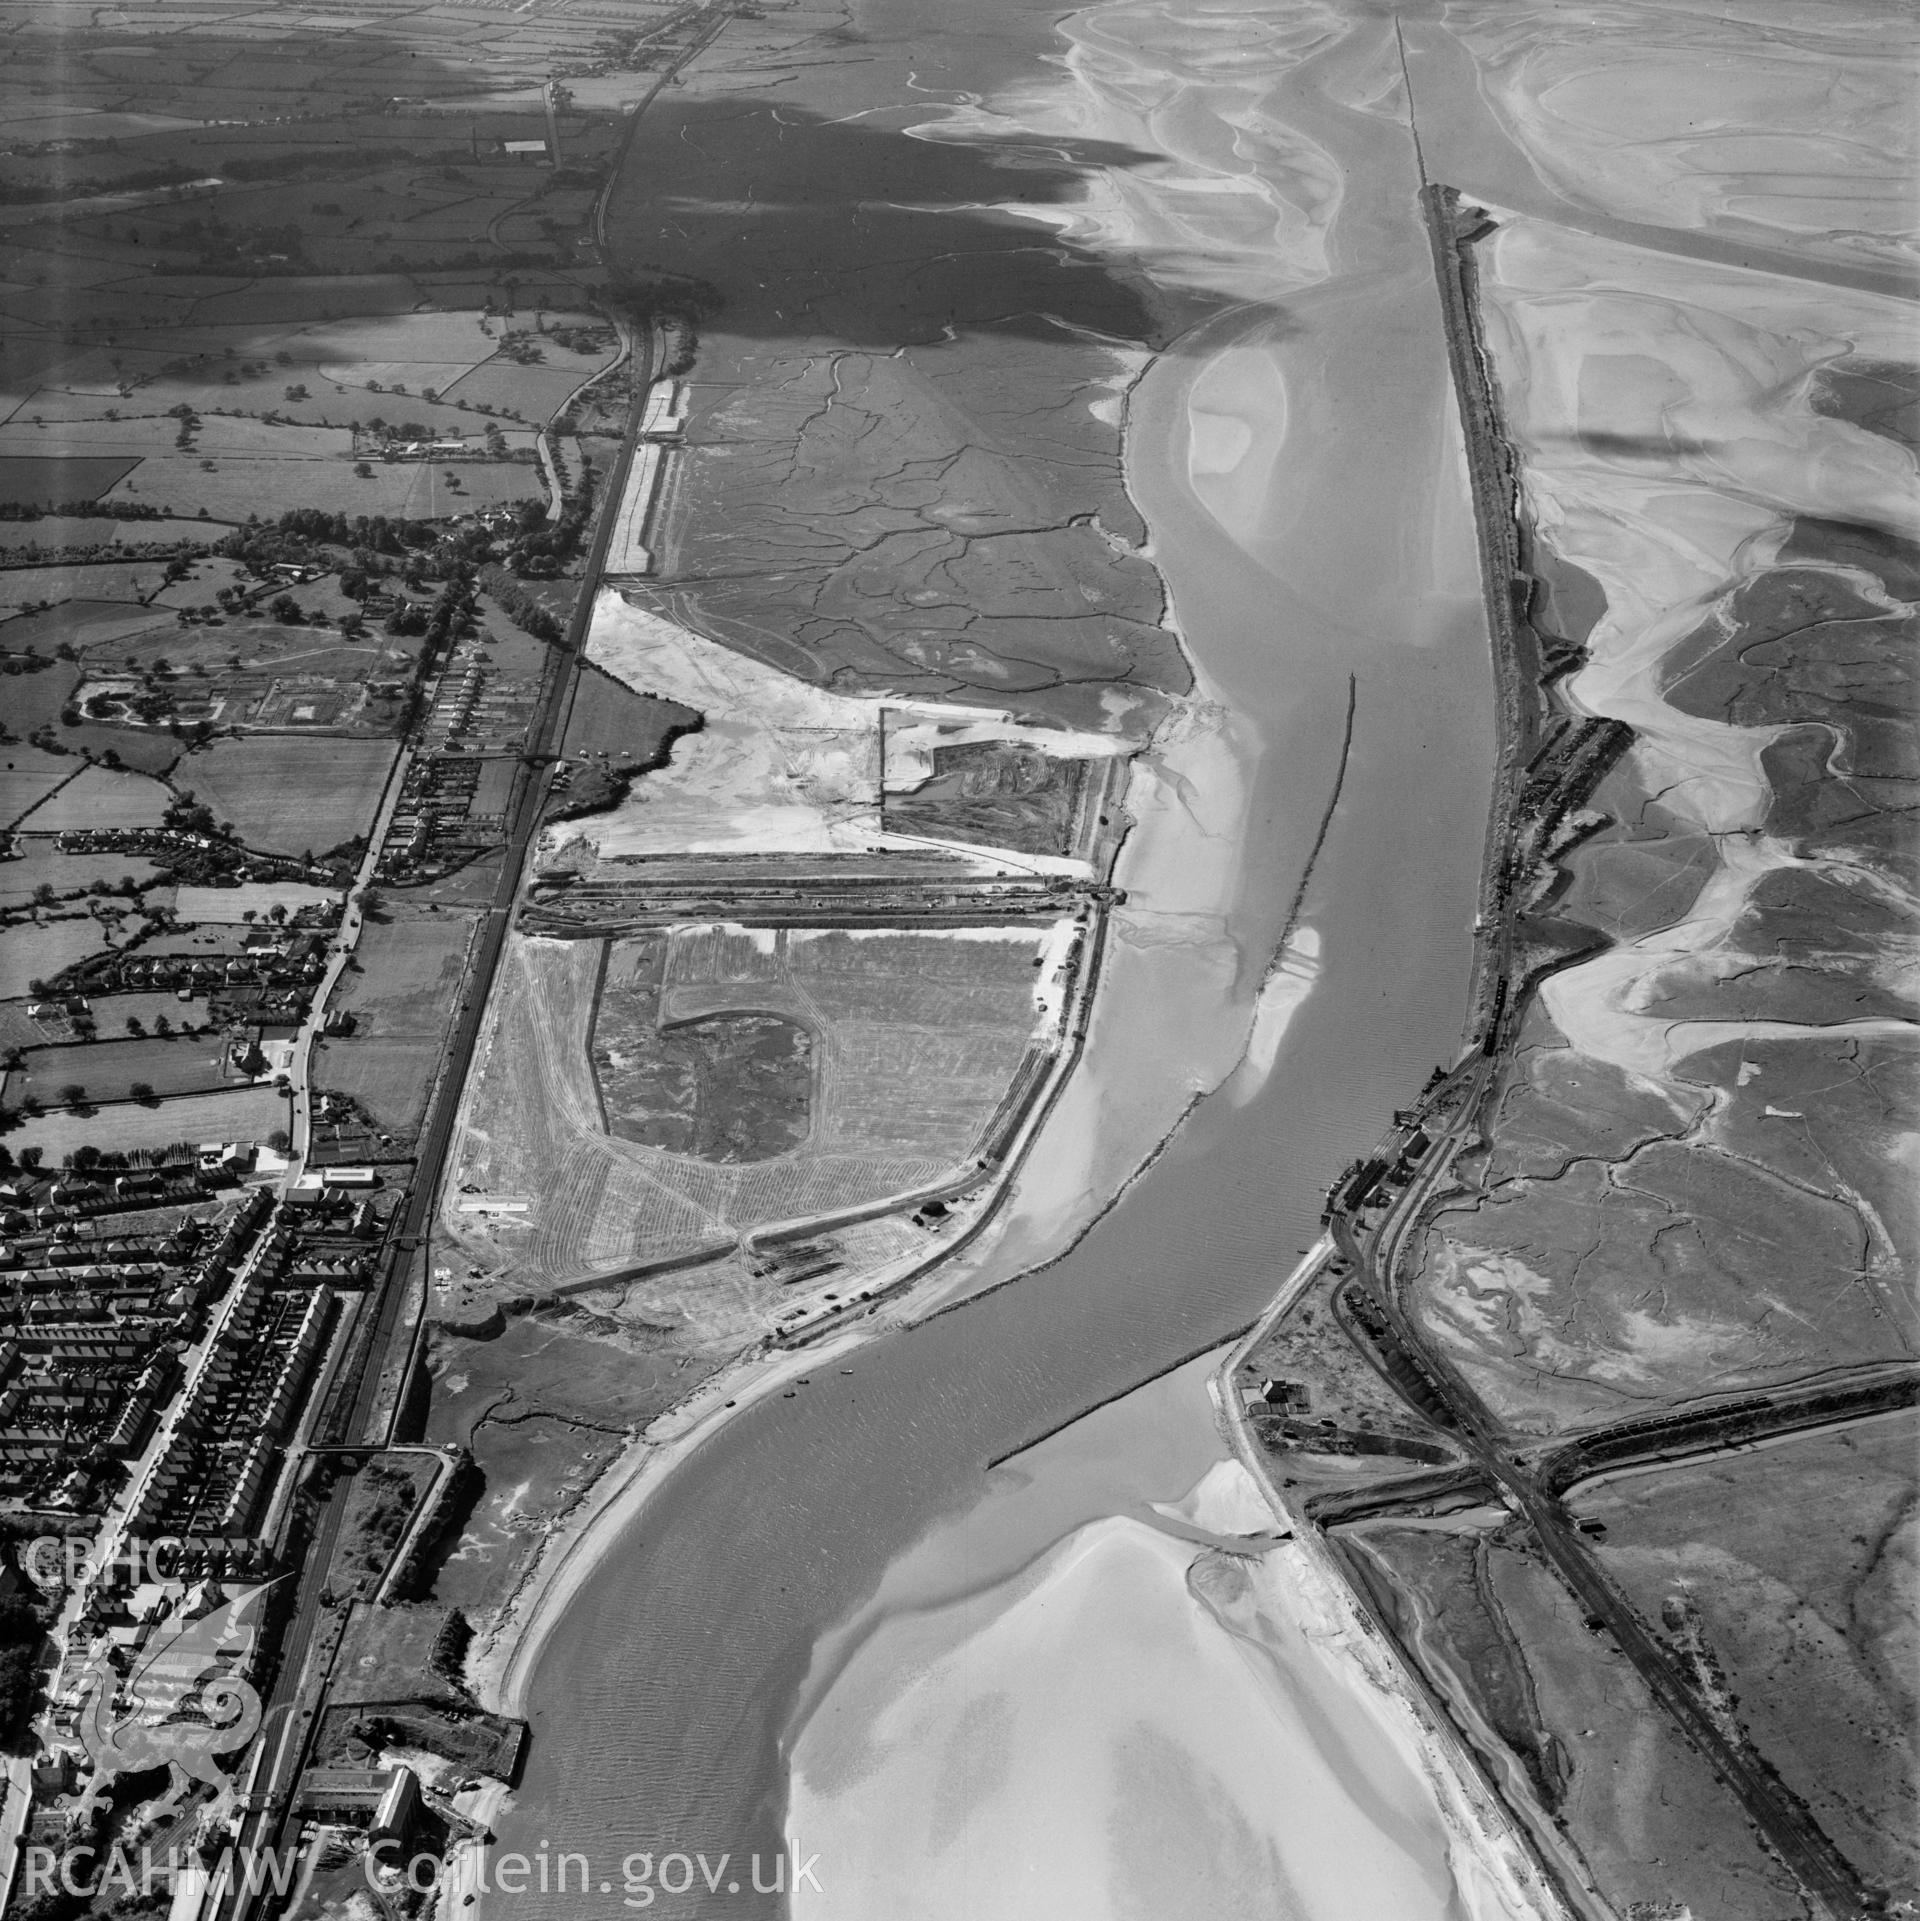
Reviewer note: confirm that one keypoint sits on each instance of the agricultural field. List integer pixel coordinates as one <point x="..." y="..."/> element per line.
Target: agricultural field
<point x="201" y="942"/>
<point x="325" y="475"/>
<point x="79" y="622"/>
<point x="388" y="1079"/>
<point x="613" y="734"/>
<point x="290" y="795"/>
<point x="235" y="1114"/>
<point x="401" y="997"/>
<point x="912" y="1042"/>
<point x="18" y="1028"/>
<point x="112" y="1013"/>
<point x="51" y="478"/>
<point x="41" y="865"/>
<point x="406" y="355"/>
<point x="1805" y="1625"/>
<point x="531" y="390"/>
<point x="253" y="900"/>
<point x="230" y="466"/>
<point x="27" y="1024"/>
<point x="210" y="424"/>
<point x="100" y="797"/>
<point x="110" y="1070"/>
<point x="95" y="580"/>
<point x="61" y="533"/>
<point x="27" y="776"/>
<point x="44" y="949"/>
<point x="407" y="964"/>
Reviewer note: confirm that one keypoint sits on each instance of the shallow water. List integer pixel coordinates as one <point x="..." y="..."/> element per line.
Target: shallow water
<point x="1338" y="545"/>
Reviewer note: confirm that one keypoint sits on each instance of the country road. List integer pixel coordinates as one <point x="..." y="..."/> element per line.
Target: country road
<point x="312" y="1636"/>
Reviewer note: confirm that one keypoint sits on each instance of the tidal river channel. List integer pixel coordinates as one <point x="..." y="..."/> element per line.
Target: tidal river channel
<point x="1338" y="546"/>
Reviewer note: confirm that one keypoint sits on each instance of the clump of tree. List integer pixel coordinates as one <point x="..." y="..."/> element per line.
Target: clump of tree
<point x="528" y="613"/>
<point x="23" y="1647"/>
<point x="450" y="1644"/>
<point x="657" y="293"/>
<point x="383" y="1520"/>
<point x="82" y="510"/>
<point x="187" y="815"/>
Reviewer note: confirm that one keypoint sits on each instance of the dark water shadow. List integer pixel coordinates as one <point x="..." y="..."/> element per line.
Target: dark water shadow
<point x="1634" y="446"/>
<point x="865" y="234"/>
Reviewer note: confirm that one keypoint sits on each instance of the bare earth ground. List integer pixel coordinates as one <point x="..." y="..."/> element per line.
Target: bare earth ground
<point x="913" y="1040"/>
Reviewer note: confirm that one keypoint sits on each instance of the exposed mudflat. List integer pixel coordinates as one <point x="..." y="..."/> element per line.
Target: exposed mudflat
<point x="1801" y="137"/>
<point x="887" y="484"/>
<point x="1635" y="1237"/>
<point x="1697" y="1177"/>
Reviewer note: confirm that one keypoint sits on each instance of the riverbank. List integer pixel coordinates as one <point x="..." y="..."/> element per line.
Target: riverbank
<point x="503" y="1656"/>
<point x="1091" y="1135"/>
<point x="1488" y="1834"/>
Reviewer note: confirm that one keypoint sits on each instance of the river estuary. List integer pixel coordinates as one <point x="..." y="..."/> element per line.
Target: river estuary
<point x="1299" y="465"/>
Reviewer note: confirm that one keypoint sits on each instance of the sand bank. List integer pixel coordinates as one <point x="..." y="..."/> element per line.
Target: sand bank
<point x="1668" y="444"/>
<point x="1602" y="1006"/>
<point x="1225" y="1502"/>
<point x="1128" y="1727"/>
<point x="1174" y="1004"/>
<point x="783" y="766"/>
<point x="1636" y="110"/>
<point x="1660" y="407"/>
<point x="1236" y="427"/>
<point x="1237" y="201"/>
<point x="779" y="766"/>
<point x="1289" y="981"/>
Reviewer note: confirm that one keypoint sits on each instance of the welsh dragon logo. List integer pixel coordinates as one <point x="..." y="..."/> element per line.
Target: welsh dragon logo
<point x="183" y="1704"/>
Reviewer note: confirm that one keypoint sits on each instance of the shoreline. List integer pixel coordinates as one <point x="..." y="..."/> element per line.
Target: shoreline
<point x="508" y="1650"/>
<point x="1039" y="1195"/>
<point x="1171" y="843"/>
<point x="1472" y="1807"/>
<point x="500" y="1670"/>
